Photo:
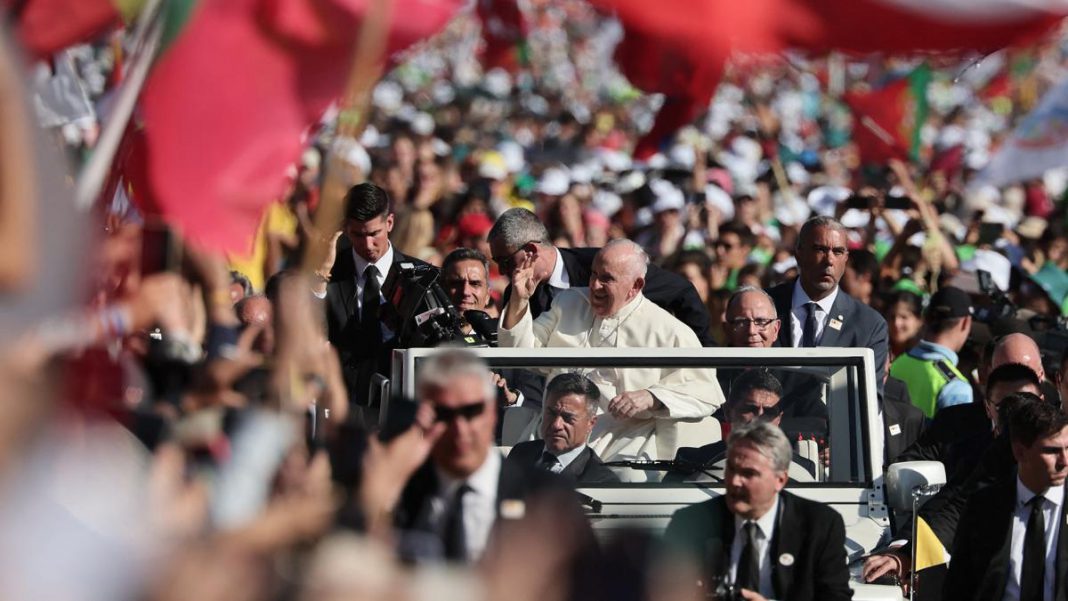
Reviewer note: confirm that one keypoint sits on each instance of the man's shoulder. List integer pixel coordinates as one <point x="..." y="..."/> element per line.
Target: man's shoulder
<point x="526" y="452"/>
<point x="783" y="291"/>
<point x="705" y="512"/>
<point x="815" y="515"/>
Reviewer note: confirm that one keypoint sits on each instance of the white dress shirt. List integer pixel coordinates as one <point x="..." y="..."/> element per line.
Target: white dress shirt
<point x="764" y="532"/>
<point x="480" y="504"/>
<point x="558" y="278"/>
<point x="383" y="264"/>
<point x="564" y="459"/>
<point x="799" y="313"/>
<point x="1051" y="514"/>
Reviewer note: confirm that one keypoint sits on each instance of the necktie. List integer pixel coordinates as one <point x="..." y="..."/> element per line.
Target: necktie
<point x="1032" y="573"/>
<point x="808" y="334"/>
<point x="455" y="537"/>
<point x="370" y="304"/>
<point x="749" y="562"/>
<point x="549" y="462"/>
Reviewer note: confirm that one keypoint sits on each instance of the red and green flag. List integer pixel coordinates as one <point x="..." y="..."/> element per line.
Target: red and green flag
<point x="887" y="122"/>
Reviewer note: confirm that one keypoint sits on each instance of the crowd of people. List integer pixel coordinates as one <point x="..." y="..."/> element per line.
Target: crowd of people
<point x="212" y="425"/>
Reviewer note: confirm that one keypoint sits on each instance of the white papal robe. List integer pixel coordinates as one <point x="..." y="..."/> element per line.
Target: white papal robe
<point x="684" y="392"/>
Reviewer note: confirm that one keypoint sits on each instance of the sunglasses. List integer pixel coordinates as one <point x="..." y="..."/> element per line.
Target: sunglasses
<point x="506" y="264"/>
<point x="768" y="412"/>
<point x="450" y="414"/>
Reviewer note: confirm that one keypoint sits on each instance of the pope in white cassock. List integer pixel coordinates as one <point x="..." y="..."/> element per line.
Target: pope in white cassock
<point x="638" y="420"/>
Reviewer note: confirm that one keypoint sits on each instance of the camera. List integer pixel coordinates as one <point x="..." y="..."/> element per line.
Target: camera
<point x="424" y="315"/>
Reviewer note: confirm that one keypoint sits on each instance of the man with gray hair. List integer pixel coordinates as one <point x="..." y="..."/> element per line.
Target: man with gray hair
<point x="641" y="405"/>
<point x="519" y="234"/>
<point x="569" y="414"/>
<point x="758" y="538"/>
<point x="452" y="502"/>
<point x="815" y="311"/>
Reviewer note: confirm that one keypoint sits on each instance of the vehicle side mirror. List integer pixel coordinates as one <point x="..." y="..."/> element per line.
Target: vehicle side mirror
<point x="902" y="479"/>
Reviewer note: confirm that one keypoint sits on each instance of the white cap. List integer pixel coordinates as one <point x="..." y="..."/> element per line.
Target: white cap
<point x="513" y="155"/>
<point x="350" y="150"/>
<point x="824" y="199"/>
<point x="630" y="182"/>
<point x="797" y="173"/>
<point x="498" y="83"/>
<point x="422" y="124"/>
<point x="607" y="202"/>
<point x="581" y="174"/>
<point x="682" y="156"/>
<point x="790" y="210"/>
<point x="718" y="197"/>
<point x="854" y="218"/>
<point x="554" y="182"/>
<point x="668" y="197"/>
<point x="388" y="97"/>
<point x="993" y="262"/>
<point x="492" y="166"/>
<point x="613" y="160"/>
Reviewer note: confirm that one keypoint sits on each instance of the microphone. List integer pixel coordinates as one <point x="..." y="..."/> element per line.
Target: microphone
<point x="483" y="325"/>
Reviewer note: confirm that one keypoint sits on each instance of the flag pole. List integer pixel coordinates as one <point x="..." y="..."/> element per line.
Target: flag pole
<point x="147" y="36"/>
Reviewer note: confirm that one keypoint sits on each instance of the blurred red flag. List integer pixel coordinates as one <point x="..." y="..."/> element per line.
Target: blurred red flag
<point x="887" y="121"/>
<point x="47" y="26"/>
<point x="225" y="107"/>
<point x="504" y="32"/>
<point x="705" y="33"/>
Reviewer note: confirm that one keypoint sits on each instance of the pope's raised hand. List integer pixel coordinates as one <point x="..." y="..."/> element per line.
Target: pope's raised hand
<point x="523" y="280"/>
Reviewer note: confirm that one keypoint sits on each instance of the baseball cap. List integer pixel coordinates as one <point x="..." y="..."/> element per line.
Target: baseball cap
<point x="949" y="302"/>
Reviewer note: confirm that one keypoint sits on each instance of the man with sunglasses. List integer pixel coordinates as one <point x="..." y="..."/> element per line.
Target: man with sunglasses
<point x="755" y="395"/>
<point x="452" y="502"/>
<point x="518" y="234"/>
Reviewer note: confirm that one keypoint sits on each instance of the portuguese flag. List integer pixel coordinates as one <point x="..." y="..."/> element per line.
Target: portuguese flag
<point x="887" y="121"/>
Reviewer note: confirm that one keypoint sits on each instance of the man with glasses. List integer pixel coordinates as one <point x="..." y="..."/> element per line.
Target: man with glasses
<point x="818" y="311"/>
<point x="519" y="234"/>
<point x="755" y="395"/>
<point x="450" y="504"/>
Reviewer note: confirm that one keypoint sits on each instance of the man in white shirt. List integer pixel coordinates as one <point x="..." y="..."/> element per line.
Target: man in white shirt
<point x="758" y="538"/>
<point x="1009" y="545"/>
<point x="820" y="313"/>
<point x="642" y="405"/>
<point x="451" y="505"/>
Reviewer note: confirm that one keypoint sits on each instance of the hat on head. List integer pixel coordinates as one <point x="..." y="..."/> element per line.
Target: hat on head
<point x="554" y="182"/>
<point x="668" y="197"/>
<point x="474" y="225"/>
<point x="947" y="303"/>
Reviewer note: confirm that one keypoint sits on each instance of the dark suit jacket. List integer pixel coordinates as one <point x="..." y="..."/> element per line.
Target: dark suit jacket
<point x="587" y="468"/>
<point x="360" y="359"/>
<point x="809" y="533"/>
<point x="979" y="570"/>
<point x="665" y="288"/>
<point x="902" y="421"/>
<point x="957" y="436"/>
<point x="862" y="326"/>
<point x="517" y="482"/>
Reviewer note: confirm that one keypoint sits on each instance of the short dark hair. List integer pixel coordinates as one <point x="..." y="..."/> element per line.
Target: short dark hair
<point x="864" y="263"/>
<point x="236" y="277"/>
<point x="573" y="383"/>
<point x="754" y="379"/>
<point x="464" y="254"/>
<point x="913" y="300"/>
<point x="745" y="235"/>
<point x="1011" y="372"/>
<point x="365" y="201"/>
<point x="1032" y="418"/>
<point x="938" y="325"/>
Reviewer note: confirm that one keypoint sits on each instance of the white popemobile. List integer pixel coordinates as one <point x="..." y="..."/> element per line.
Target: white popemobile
<point x="851" y="479"/>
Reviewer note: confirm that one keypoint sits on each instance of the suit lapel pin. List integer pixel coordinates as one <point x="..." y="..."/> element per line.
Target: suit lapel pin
<point x="836" y="324"/>
<point x="513" y="509"/>
<point x="786" y="560"/>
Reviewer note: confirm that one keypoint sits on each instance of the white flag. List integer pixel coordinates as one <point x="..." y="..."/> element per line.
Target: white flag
<point x="1040" y="143"/>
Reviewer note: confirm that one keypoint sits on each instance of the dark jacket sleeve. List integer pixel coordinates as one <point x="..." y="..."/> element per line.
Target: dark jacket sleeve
<point x="832" y="572"/>
<point x="678" y="296"/>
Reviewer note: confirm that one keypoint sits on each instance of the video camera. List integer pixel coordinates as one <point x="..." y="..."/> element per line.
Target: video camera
<point x="1049" y="332"/>
<point x="425" y="315"/>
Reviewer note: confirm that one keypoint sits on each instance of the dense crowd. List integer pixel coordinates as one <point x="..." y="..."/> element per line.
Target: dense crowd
<point x="210" y="425"/>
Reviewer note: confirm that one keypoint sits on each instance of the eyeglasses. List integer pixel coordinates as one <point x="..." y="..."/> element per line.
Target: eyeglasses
<point x="743" y="323"/>
<point x="754" y="409"/>
<point x="507" y="263"/>
<point x="450" y="414"/>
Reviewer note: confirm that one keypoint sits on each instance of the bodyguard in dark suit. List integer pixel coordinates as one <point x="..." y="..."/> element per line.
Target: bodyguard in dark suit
<point x="902" y="422"/>
<point x="356" y="303"/>
<point x="759" y="537"/>
<point x="815" y="311"/>
<point x="1011" y="543"/>
<point x="453" y="505"/>
<point x="519" y="232"/>
<point x="568" y="416"/>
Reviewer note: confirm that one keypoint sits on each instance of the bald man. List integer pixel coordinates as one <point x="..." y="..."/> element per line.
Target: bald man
<point x="1022" y="349"/>
<point x="640" y="407"/>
